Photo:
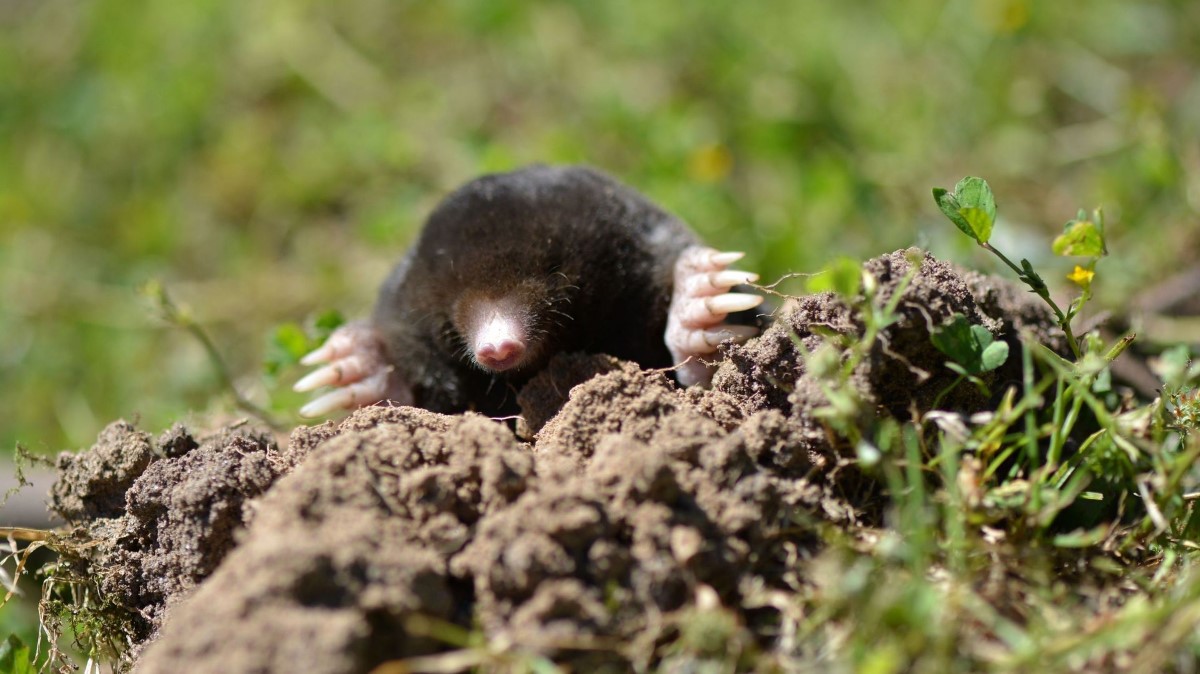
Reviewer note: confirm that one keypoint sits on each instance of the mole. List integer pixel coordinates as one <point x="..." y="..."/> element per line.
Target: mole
<point x="512" y="268"/>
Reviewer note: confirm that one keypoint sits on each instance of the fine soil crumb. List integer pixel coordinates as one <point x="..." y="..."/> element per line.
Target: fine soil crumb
<point x="621" y="503"/>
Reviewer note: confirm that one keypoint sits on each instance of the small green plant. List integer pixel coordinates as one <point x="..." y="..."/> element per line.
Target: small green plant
<point x="971" y="348"/>
<point x="1061" y="472"/>
<point x="833" y="363"/>
<point x="1182" y="398"/>
<point x="290" y="342"/>
<point x="972" y="208"/>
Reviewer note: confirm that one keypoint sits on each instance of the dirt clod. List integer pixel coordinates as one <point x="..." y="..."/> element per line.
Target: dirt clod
<point x="165" y="513"/>
<point x="92" y="484"/>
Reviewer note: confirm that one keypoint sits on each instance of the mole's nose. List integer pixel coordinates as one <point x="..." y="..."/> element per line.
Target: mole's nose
<point x="500" y="355"/>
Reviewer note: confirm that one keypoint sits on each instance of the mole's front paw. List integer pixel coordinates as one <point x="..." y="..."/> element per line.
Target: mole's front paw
<point x="701" y="301"/>
<point x="358" y="368"/>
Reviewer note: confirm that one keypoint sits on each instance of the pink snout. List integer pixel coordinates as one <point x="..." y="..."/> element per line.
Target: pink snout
<point x="500" y="355"/>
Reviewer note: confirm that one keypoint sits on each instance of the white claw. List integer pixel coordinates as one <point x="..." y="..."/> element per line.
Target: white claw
<point x="317" y="378"/>
<point x="341" y="343"/>
<point x="731" y="302"/>
<point x="364" y="392"/>
<point x="701" y="301"/>
<point x="693" y="372"/>
<point x="716" y="282"/>
<point x="356" y="364"/>
<point x="705" y="312"/>
<point x="334" y="400"/>
<point x="700" y="259"/>
<point x="344" y="371"/>
<point x="322" y="354"/>
<point x="704" y="342"/>
<point x="730" y="278"/>
<point x="732" y="333"/>
<point x="717" y="259"/>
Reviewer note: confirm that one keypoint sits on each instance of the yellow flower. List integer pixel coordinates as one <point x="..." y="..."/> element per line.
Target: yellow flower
<point x="1081" y="277"/>
<point x="710" y="163"/>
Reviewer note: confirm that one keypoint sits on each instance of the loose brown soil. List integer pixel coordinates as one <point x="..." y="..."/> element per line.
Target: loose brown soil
<point x="630" y="503"/>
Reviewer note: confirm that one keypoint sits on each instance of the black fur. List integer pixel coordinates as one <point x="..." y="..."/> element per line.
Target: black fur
<point x="591" y="259"/>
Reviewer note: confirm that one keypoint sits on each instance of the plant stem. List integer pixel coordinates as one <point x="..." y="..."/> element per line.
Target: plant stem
<point x="1043" y="292"/>
<point x="173" y="314"/>
<point x="26" y="535"/>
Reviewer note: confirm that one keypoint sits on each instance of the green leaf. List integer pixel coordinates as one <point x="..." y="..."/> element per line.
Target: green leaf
<point x="291" y="338"/>
<point x="287" y="346"/>
<point x="15" y="657"/>
<point x="290" y="342"/>
<point x="844" y="277"/>
<point x="971" y="347"/>
<point x="972" y="207"/>
<point x="978" y="205"/>
<point x="1031" y="277"/>
<point x="980" y="336"/>
<point x="326" y="323"/>
<point x="980" y="222"/>
<point x="957" y="369"/>
<point x="950" y="208"/>
<point x="1080" y="238"/>
<point x="994" y="356"/>
<point x="956" y="341"/>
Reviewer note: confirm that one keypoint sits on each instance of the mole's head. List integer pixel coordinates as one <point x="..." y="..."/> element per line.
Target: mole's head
<point x="502" y="262"/>
<point x="511" y="328"/>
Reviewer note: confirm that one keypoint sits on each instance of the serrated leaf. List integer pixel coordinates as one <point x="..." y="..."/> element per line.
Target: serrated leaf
<point x="950" y="208"/>
<point x="977" y="205"/>
<point x="973" y="192"/>
<point x="15" y="656"/>
<point x="1080" y="238"/>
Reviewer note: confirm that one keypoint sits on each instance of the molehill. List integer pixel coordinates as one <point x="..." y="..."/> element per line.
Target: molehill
<point x="621" y="510"/>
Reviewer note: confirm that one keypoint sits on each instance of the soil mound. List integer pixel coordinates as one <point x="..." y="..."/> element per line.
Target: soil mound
<point x="629" y="505"/>
<point x="161" y="514"/>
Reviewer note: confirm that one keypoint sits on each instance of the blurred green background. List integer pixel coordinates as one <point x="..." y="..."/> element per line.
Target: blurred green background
<point x="269" y="160"/>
